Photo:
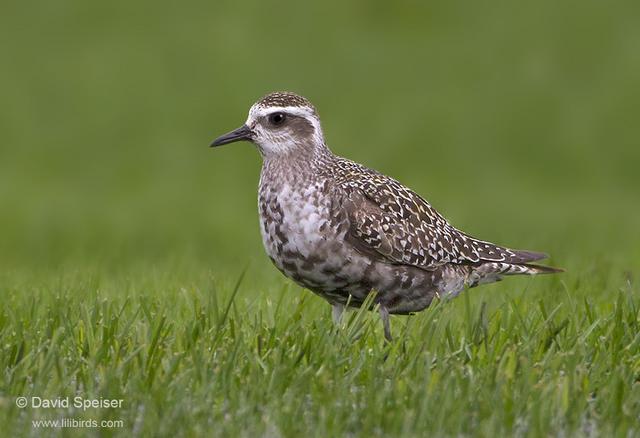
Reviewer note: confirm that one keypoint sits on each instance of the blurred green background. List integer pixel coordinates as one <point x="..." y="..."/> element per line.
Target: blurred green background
<point x="518" y="121"/>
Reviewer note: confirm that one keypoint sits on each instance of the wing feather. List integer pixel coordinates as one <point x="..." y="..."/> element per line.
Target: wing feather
<point x="391" y="222"/>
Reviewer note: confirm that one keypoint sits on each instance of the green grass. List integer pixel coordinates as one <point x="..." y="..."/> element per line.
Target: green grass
<point x="123" y="236"/>
<point x="193" y="355"/>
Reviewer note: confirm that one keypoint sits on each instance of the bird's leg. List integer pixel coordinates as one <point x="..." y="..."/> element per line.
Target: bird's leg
<point x="384" y="315"/>
<point x="337" y="310"/>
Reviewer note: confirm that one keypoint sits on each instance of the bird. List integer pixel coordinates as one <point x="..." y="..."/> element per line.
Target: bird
<point x="343" y="230"/>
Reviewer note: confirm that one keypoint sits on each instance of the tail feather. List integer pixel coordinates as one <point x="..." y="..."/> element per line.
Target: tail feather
<point x="490" y="252"/>
<point x="526" y="256"/>
<point x="541" y="269"/>
<point x="493" y="271"/>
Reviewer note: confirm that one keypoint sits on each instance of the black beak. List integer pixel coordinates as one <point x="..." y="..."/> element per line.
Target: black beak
<point x="242" y="133"/>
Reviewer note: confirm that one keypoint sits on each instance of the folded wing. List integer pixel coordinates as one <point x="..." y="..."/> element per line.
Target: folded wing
<point x="391" y="222"/>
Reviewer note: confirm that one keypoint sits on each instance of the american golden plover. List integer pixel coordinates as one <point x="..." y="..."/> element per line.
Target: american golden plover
<point x="342" y="230"/>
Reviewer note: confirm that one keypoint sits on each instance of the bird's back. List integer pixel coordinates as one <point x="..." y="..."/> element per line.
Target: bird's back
<point x="390" y="221"/>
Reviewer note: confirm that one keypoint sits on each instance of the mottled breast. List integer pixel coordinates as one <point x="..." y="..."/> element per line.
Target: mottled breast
<point x="298" y="232"/>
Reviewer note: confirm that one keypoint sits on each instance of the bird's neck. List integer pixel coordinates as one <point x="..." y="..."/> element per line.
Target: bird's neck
<point x="296" y="166"/>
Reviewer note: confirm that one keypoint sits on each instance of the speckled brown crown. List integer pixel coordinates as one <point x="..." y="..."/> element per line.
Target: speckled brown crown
<point x="285" y="98"/>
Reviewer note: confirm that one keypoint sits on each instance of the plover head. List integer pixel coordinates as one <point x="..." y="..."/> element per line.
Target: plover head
<point x="279" y="123"/>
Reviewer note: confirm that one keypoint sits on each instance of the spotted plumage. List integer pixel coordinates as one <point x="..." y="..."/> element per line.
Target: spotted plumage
<point x="342" y="230"/>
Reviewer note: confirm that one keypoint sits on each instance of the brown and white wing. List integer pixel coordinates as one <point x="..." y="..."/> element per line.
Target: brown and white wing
<point x="389" y="221"/>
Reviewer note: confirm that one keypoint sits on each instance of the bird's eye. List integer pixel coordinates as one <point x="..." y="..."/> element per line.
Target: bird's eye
<point x="277" y="119"/>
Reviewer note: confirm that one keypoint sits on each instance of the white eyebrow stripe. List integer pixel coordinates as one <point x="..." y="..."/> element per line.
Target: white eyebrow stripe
<point x="259" y="111"/>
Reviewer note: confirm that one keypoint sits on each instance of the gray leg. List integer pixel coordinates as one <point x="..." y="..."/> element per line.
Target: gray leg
<point x="336" y="311"/>
<point x="384" y="314"/>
